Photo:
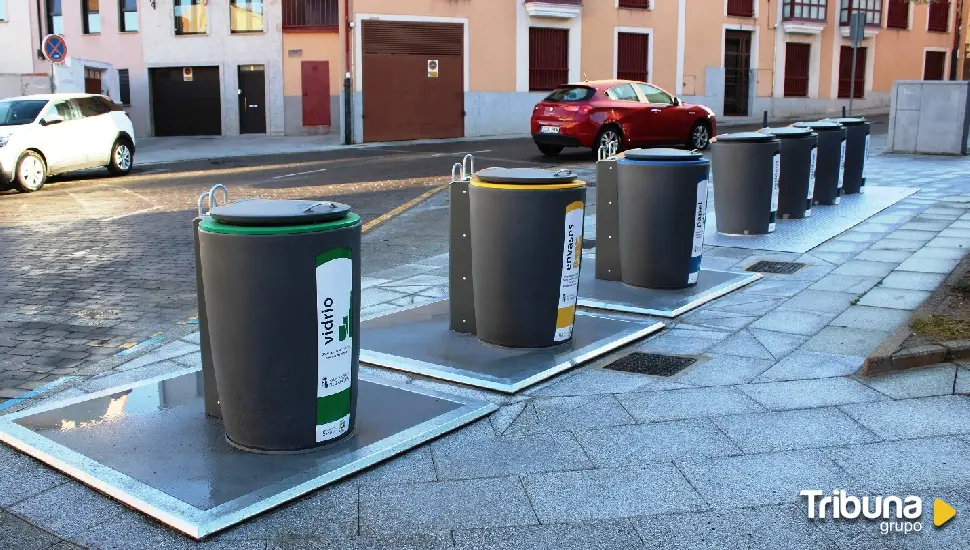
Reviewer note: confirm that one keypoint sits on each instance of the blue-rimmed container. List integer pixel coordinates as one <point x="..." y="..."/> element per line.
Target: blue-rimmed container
<point x="662" y="199"/>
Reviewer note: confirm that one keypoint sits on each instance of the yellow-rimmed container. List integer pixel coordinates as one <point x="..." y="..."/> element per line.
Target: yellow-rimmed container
<point x="526" y="248"/>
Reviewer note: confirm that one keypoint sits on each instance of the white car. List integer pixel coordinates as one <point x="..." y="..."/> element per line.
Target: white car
<point x="49" y="134"/>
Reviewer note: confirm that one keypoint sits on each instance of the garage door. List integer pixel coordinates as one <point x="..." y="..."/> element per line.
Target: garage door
<point x="413" y="81"/>
<point x="186" y="101"/>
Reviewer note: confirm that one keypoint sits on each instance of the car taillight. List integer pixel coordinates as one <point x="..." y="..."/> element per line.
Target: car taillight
<point x="578" y="109"/>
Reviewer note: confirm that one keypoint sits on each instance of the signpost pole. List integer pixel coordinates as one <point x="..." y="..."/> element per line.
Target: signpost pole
<point x="53" y="85"/>
<point x="857" y="30"/>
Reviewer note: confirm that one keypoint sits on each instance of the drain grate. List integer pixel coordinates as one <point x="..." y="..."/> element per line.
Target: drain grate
<point x="651" y="363"/>
<point x="781" y="268"/>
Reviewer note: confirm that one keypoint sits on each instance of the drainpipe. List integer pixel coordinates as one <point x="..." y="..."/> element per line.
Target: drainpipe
<point x="40" y="32"/>
<point x="348" y="87"/>
<point x="958" y="32"/>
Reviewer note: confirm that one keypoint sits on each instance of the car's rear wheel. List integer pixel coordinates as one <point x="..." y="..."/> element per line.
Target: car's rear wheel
<point x="700" y="136"/>
<point x="31" y="173"/>
<point x="122" y="157"/>
<point x="549" y="150"/>
<point x="610" y="137"/>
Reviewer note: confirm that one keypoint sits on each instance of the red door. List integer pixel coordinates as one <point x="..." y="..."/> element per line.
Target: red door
<point x="316" y="93"/>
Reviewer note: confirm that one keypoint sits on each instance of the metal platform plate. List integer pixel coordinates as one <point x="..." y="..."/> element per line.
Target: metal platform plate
<point x="826" y="222"/>
<point x="418" y="341"/>
<point x="617" y="296"/>
<point x="151" y="446"/>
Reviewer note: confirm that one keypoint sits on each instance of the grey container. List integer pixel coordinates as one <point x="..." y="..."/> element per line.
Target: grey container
<point x="830" y="166"/>
<point x="857" y="138"/>
<point x="746" y="167"/>
<point x="662" y="199"/>
<point x="526" y="237"/>
<point x="282" y="293"/>
<point x="796" y="183"/>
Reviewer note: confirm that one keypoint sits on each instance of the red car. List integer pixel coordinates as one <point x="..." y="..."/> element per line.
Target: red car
<point x="625" y="112"/>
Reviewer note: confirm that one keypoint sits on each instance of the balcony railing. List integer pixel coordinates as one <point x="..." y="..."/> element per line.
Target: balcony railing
<point x="740" y="8"/>
<point x="939" y="16"/>
<point x="805" y="10"/>
<point x="311" y="15"/>
<point x="634" y="4"/>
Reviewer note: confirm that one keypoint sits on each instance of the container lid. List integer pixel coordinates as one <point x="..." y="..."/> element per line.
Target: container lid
<point x="819" y="125"/>
<point x="663" y="154"/>
<point x="751" y="137"/>
<point x="261" y="212"/>
<point x="787" y="132"/>
<point x="525" y="176"/>
<point x="847" y="121"/>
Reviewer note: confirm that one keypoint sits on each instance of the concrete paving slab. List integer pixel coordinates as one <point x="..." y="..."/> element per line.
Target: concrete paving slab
<point x="607" y="535"/>
<point x="926" y="225"/>
<point x="503" y="418"/>
<point x="421" y="541"/>
<point x="841" y="246"/>
<point x="943" y="253"/>
<point x="745" y="305"/>
<point x="846" y="341"/>
<point x="913" y="235"/>
<point x="679" y="341"/>
<point x="612" y="493"/>
<point x="22" y="478"/>
<point x="18" y="534"/>
<point x="594" y="381"/>
<point x="896" y="244"/>
<point x="777" y="287"/>
<point x="949" y="242"/>
<point x="721" y="320"/>
<point x="423" y="507"/>
<point x="773" y="478"/>
<point x="625" y="446"/>
<point x="911" y="280"/>
<point x="884" y="256"/>
<point x="821" y="301"/>
<point x="806" y="394"/>
<point x="835" y="258"/>
<point x="912" y="418"/>
<point x="742" y="344"/>
<point x="956" y="233"/>
<point x="887" y="467"/>
<point x="69" y="509"/>
<point x="845" y="283"/>
<point x="894" y="298"/>
<point x="718" y="263"/>
<point x="803" y="365"/>
<point x="463" y="458"/>
<point x="375" y="296"/>
<point x="856" y="237"/>
<point x="875" y="318"/>
<point x="415" y="466"/>
<point x="558" y="414"/>
<point x="684" y="404"/>
<point x="793" y="430"/>
<point x="917" y="382"/>
<point x="928" y="265"/>
<point x="779" y="344"/>
<point x="133" y="531"/>
<point x="862" y="268"/>
<point x="963" y="381"/>
<point x="790" y="321"/>
<point x="725" y="370"/>
<point x="162" y="353"/>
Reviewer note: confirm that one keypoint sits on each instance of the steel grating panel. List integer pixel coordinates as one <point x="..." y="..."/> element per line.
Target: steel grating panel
<point x="151" y="446"/>
<point x="800" y="236"/>
<point x="419" y="341"/>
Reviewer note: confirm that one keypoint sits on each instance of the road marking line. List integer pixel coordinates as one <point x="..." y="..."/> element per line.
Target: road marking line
<point x="403" y="208"/>
<point x="35" y="392"/>
<point x="137" y="347"/>
<point x="119" y="216"/>
<point x="300" y="173"/>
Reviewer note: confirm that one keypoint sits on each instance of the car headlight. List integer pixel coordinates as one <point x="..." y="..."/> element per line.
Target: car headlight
<point x="4" y="140"/>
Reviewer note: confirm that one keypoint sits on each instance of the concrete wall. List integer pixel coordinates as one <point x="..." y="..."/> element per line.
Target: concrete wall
<point x="220" y="48"/>
<point x="929" y="117"/>
<point x="311" y="46"/>
<point x="13" y="85"/>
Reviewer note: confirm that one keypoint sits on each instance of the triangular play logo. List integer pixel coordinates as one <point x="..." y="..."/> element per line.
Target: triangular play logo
<point x="942" y="512"/>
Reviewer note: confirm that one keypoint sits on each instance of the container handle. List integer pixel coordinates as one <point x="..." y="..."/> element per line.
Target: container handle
<point x="563" y="172"/>
<point x="467" y="166"/>
<point x="612" y="149"/>
<point x="456" y="172"/>
<point x="202" y="199"/>
<point x="212" y="195"/>
<point x="316" y="204"/>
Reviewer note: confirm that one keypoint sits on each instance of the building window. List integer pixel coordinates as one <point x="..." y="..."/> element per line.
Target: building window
<point x="632" y="55"/>
<point x="90" y="17"/>
<point x="871" y="8"/>
<point x="548" y="58"/>
<point x="740" y="8"/>
<point x="124" y="87"/>
<point x="246" y="15"/>
<point x="934" y="67"/>
<point x="190" y="16"/>
<point x="311" y="14"/>
<point x="3" y="10"/>
<point x="939" y="16"/>
<point x="897" y="16"/>
<point x="804" y="10"/>
<point x="845" y="72"/>
<point x="634" y="4"/>
<point x="55" y="19"/>
<point x="128" y="15"/>
<point x="797" y="58"/>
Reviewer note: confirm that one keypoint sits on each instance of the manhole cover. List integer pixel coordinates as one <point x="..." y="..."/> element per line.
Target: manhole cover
<point x="781" y="268"/>
<point x="651" y="363"/>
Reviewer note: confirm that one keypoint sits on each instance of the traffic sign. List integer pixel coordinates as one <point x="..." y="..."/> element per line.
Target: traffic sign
<point x="55" y="48"/>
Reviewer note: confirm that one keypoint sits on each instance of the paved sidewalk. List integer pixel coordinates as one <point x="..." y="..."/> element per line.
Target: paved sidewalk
<point x="714" y="457"/>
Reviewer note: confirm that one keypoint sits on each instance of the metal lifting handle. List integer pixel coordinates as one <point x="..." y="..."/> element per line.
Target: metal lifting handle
<point x="467" y="166"/>
<point x="456" y="172"/>
<point x="202" y="199"/>
<point x="212" y="195"/>
<point x="601" y="153"/>
<point x="563" y="172"/>
<point x="613" y="148"/>
<point x="316" y="204"/>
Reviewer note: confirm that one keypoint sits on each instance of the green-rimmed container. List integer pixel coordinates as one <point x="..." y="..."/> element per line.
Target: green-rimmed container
<point x="282" y="294"/>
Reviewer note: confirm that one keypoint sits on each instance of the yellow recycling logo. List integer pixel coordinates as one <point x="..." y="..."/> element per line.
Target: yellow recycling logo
<point x="942" y="512"/>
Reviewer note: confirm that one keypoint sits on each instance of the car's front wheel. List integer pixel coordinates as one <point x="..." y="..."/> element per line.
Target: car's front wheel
<point x="549" y="150"/>
<point x="31" y="172"/>
<point x="700" y="136"/>
<point x="122" y="157"/>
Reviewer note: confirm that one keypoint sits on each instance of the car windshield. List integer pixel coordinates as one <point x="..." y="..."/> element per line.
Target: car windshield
<point x="571" y="93"/>
<point x="20" y="111"/>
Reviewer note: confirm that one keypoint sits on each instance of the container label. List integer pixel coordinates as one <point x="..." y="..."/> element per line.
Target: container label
<point x="775" y="178"/>
<point x="811" y="181"/>
<point x="842" y="166"/>
<point x="335" y="332"/>
<point x="865" y="162"/>
<point x="572" y="254"/>
<point x="700" y="217"/>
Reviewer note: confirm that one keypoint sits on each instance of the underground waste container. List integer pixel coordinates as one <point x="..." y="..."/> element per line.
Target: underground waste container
<point x="662" y="199"/>
<point x="282" y="292"/>
<point x="746" y="167"/>
<point x="856" y="153"/>
<point x="526" y="239"/>
<point x="796" y="183"/>
<point x="830" y="164"/>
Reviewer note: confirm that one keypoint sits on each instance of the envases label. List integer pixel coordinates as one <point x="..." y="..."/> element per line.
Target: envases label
<point x="842" y="166"/>
<point x="335" y="331"/>
<point x="775" y="178"/>
<point x="865" y="163"/>
<point x="811" y="181"/>
<point x="700" y="217"/>
<point x="572" y="252"/>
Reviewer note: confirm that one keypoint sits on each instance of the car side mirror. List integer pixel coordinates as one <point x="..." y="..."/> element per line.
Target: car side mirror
<point x="48" y="122"/>
<point x="678" y="102"/>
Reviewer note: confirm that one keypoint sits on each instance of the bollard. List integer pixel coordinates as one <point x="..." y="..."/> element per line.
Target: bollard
<point x="461" y="295"/>
<point x="607" y="215"/>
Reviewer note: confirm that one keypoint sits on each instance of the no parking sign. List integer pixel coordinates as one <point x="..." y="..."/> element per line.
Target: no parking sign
<point x="55" y="48"/>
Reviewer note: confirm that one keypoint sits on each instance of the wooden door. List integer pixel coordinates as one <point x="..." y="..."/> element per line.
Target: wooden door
<point x="737" y="68"/>
<point x="316" y="93"/>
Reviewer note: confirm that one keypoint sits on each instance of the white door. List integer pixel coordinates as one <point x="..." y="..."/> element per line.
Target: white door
<point x="58" y="137"/>
<point x="97" y="129"/>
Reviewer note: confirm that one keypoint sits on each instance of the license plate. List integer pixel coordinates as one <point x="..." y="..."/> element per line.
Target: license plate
<point x="550" y="129"/>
